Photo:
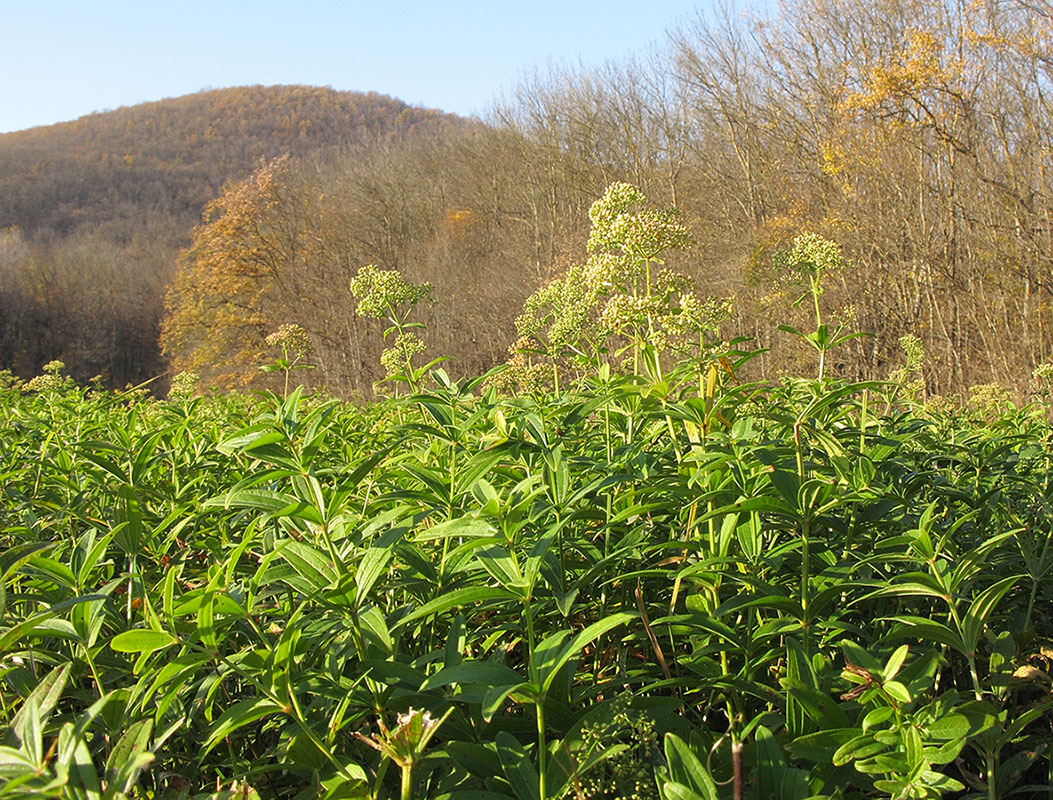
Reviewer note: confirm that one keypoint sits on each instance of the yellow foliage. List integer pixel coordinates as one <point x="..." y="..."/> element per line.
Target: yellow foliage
<point x="917" y="68"/>
<point x="216" y="311"/>
<point x="462" y="223"/>
<point x="831" y="158"/>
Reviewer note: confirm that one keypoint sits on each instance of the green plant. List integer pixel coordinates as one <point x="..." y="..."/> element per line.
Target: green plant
<point x="384" y="294"/>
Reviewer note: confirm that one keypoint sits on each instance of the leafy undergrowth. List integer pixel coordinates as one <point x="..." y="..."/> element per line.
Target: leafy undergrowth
<point x="807" y="589"/>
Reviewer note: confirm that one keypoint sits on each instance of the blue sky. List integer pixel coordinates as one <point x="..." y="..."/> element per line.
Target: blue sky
<point x="60" y="59"/>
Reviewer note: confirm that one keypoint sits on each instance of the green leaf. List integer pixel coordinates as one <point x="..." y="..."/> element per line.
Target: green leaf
<point x="820" y="747"/>
<point x="927" y="630"/>
<point x="859" y="657"/>
<point x="897" y="690"/>
<point x="30" y="624"/>
<point x="461" y="527"/>
<point x="15" y="763"/>
<point x="239" y="715"/>
<point x="774" y="779"/>
<point x="686" y="769"/>
<point x="547" y="672"/>
<point x="454" y="599"/>
<point x="497" y="561"/>
<point x="913" y="745"/>
<point x="948" y="726"/>
<point x="253" y="436"/>
<point x="677" y="791"/>
<point x="980" y="609"/>
<point x="862" y="746"/>
<point x="895" y="661"/>
<point x="518" y="768"/>
<point x="261" y="499"/>
<point x="17" y="554"/>
<point x="787" y="484"/>
<point x="374" y="562"/>
<point x="483" y="673"/>
<point x="129" y="757"/>
<point x="311" y="563"/>
<point x="494" y="699"/>
<point x="142" y="641"/>
<point x="43" y="698"/>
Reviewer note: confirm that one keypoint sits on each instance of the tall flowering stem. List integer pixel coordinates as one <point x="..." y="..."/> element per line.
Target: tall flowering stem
<point x="385" y="294"/>
<point x="634" y="238"/>
<point x="294" y="343"/>
<point x="806" y="262"/>
<point x="617" y="293"/>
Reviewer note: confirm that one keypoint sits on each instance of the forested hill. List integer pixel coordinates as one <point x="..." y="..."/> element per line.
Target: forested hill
<point x="172" y="156"/>
<point x="93" y="212"/>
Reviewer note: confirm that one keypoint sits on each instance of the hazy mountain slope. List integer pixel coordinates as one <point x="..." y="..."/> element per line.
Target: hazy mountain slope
<point x="172" y="156"/>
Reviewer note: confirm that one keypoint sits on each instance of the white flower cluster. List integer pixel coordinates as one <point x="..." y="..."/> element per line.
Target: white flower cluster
<point x="290" y="338"/>
<point x="51" y="379"/>
<point x="183" y="386"/>
<point x="614" y="293"/>
<point x="398" y="358"/>
<point x="809" y="257"/>
<point x="382" y="291"/>
<point x="622" y="223"/>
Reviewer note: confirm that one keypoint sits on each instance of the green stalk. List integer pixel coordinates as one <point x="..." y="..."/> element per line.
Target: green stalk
<point x="969" y="657"/>
<point x="542" y="750"/>
<point x="806" y="530"/>
<point x="818" y="324"/>
<point x="91" y="666"/>
<point x="863" y="424"/>
<point x="407" y="781"/>
<point x="539" y="702"/>
<point x="1034" y="584"/>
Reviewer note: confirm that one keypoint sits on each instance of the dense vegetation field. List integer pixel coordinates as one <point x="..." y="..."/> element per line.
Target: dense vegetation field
<point x="787" y="590"/>
<point x="609" y="569"/>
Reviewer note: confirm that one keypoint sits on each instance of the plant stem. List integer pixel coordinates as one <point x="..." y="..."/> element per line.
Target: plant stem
<point x="539" y="702"/>
<point x="542" y="749"/>
<point x="992" y="789"/>
<point x="407" y="782"/>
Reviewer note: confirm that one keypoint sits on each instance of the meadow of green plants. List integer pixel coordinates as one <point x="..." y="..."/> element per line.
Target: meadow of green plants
<point x="611" y="569"/>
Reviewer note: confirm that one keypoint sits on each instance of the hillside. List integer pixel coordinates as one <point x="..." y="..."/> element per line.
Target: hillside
<point x="94" y="211"/>
<point x="172" y="156"/>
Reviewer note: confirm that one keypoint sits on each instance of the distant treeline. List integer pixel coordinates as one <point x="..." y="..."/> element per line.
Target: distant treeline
<point x="915" y="134"/>
<point x="94" y="212"/>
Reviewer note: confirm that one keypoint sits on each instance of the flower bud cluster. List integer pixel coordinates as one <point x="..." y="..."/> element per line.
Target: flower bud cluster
<point x="624" y="314"/>
<point x="44" y="383"/>
<point x="398" y="358"/>
<point x="990" y="401"/>
<point x="693" y="315"/>
<point x="915" y="351"/>
<point x="405" y="743"/>
<point x="183" y="386"/>
<point x="291" y="339"/>
<point x="50" y="380"/>
<point x="628" y="774"/>
<point x="910" y="375"/>
<point x="1042" y="375"/>
<point x="614" y="293"/>
<point x="620" y="224"/>
<point x="563" y="305"/>
<point x="809" y="257"/>
<point x="383" y="290"/>
<point x="521" y="375"/>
